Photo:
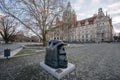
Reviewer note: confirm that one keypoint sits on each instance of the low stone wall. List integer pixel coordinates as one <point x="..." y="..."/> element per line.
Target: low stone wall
<point x="12" y="53"/>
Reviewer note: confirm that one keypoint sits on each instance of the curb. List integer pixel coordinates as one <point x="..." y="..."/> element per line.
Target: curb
<point x="19" y="56"/>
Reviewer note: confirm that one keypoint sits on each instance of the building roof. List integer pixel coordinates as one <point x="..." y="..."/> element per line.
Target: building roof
<point x="87" y="19"/>
<point x="69" y="8"/>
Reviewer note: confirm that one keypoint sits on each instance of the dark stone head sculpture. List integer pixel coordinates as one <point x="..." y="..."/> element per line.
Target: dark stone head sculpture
<point x="55" y="54"/>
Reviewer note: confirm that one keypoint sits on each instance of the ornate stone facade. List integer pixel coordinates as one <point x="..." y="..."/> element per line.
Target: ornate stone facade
<point x="97" y="28"/>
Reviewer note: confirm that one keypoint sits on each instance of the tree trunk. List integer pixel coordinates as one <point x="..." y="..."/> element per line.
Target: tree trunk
<point x="44" y="41"/>
<point x="6" y="41"/>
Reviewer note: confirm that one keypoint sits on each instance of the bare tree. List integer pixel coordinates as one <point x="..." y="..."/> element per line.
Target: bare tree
<point x="7" y="29"/>
<point x="36" y="15"/>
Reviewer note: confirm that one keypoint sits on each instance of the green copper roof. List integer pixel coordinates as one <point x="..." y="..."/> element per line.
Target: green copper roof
<point x="70" y="10"/>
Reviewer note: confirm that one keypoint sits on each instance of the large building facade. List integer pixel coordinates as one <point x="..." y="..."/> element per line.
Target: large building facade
<point x="97" y="28"/>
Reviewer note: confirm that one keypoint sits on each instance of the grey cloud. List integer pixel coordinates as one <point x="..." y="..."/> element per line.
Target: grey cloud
<point x="114" y="15"/>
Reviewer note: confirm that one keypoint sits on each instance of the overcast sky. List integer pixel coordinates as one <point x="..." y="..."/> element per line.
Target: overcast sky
<point x="86" y="8"/>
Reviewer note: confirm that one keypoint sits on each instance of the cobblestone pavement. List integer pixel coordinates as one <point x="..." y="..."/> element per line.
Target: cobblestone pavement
<point x="93" y="62"/>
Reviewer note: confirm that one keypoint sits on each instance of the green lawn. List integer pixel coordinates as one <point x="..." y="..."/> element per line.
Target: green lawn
<point x="26" y="51"/>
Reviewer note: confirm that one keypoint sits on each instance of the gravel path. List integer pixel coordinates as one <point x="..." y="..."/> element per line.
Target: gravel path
<point x="93" y="62"/>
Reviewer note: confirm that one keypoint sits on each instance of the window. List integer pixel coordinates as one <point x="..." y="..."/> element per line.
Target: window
<point x="90" y="36"/>
<point x="86" y="39"/>
<point x="82" y="24"/>
<point x="82" y="40"/>
<point x="82" y="36"/>
<point x="90" y="22"/>
<point x="102" y="34"/>
<point x="86" y="35"/>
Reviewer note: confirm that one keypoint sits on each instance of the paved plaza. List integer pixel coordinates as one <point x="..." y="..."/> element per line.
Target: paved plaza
<point x="93" y="62"/>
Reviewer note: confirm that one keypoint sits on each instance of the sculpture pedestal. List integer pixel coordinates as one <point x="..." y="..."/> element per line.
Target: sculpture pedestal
<point x="58" y="73"/>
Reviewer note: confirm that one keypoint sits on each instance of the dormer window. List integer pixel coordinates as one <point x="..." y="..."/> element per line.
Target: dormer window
<point x="90" y="22"/>
<point x="82" y="24"/>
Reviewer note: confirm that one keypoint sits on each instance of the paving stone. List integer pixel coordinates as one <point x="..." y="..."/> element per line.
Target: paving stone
<point x="93" y="62"/>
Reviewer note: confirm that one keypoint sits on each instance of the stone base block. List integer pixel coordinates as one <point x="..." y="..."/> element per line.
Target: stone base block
<point x="58" y="73"/>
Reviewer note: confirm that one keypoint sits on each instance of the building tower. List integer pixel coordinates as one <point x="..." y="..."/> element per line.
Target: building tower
<point x="69" y="20"/>
<point x="69" y="15"/>
<point x="104" y="27"/>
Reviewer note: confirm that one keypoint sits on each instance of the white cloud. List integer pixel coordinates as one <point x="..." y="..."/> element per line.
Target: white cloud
<point x="77" y="4"/>
<point x="80" y="15"/>
<point x="116" y="19"/>
<point x="114" y="10"/>
<point x="116" y="29"/>
<point x="95" y="2"/>
<point x="114" y="6"/>
<point x="1" y="14"/>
